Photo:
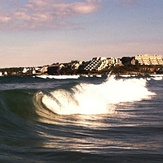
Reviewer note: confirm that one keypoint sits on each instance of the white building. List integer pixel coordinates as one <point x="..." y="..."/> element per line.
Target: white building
<point x="147" y="59"/>
<point x="97" y="64"/>
<point x="75" y="64"/>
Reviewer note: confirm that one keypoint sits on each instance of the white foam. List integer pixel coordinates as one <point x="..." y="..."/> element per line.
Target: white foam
<point x="58" y="76"/>
<point x="157" y="78"/>
<point x="96" y="99"/>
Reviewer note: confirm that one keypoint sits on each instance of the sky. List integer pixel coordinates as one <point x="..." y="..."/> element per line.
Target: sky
<point x="42" y="32"/>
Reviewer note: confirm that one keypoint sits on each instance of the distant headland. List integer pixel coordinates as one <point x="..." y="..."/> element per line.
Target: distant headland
<point x="137" y="65"/>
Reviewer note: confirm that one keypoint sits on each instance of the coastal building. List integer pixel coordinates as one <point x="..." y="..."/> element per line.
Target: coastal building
<point x="44" y="69"/>
<point x="103" y="64"/>
<point x="117" y="61"/>
<point x="96" y="64"/>
<point x="25" y="70"/>
<point x="5" y="73"/>
<point x="112" y="61"/>
<point x="147" y="59"/>
<point x="75" y="64"/>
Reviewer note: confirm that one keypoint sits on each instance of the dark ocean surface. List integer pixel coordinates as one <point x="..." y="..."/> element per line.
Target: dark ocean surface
<point x="89" y="119"/>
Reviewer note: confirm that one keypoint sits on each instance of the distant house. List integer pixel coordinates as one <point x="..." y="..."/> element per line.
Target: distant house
<point x="114" y="61"/>
<point x="75" y="64"/>
<point x="25" y="70"/>
<point x="5" y="73"/>
<point x="44" y="69"/>
<point x="111" y="61"/>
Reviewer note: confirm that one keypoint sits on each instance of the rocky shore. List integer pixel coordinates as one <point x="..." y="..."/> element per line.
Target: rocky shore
<point x="138" y="65"/>
<point x="116" y="70"/>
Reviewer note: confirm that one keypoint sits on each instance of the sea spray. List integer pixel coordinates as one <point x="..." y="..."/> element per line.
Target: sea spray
<point x="96" y="99"/>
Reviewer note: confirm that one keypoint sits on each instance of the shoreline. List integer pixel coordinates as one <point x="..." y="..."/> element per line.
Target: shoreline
<point x="139" y="70"/>
<point x="46" y="76"/>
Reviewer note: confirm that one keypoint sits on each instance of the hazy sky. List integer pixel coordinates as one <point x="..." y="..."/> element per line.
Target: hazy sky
<point x="40" y="32"/>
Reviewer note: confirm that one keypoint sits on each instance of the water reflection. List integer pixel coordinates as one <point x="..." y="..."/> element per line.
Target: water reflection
<point x="121" y="131"/>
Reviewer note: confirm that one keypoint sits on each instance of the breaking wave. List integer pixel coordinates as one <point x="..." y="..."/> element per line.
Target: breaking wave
<point x="101" y="98"/>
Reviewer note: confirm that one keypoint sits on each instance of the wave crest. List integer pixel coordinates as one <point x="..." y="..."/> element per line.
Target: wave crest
<point x="96" y="99"/>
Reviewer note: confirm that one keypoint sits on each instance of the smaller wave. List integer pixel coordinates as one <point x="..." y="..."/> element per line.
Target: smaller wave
<point x="157" y="78"/>
<point x="96" y="99"/>
<point x="58" y="76"/>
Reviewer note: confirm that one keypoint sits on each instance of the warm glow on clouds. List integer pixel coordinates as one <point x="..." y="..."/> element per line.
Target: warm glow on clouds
<point x="41" y="14"/>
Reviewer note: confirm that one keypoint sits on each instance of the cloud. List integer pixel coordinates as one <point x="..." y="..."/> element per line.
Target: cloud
<point x="41" y="14"/>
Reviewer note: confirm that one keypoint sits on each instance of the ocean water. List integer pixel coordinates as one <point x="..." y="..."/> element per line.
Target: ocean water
<point x="85" y="119"/>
